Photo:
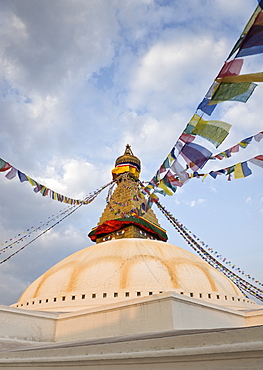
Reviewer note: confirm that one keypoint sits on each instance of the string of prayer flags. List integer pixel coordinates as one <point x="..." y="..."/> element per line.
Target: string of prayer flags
<point x="252" y="43"/>
<point x="229" y="85"/>
<point x="235" y="149"/>
<point x="42" y="189"/>
<point x="200" y="248"/>
<point x="240" y="169"/>
<point x="213" y="131"/>
<point x="22" y="236"/>
<point x="240" y="91"/>
<point x="72" y="209"/>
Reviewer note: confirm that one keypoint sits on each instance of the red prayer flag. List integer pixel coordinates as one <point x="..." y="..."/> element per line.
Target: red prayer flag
<point x="231" y="68"/>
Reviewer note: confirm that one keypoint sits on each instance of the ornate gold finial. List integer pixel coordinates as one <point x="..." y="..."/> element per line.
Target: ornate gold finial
<point x="128" y="150"/>
<point x="127" y="162"/>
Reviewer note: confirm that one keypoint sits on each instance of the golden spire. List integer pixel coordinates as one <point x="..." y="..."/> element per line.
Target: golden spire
<point x="122" y="216"/>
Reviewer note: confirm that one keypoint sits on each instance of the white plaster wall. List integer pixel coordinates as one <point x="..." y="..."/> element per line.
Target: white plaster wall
<point x="144" y="315"/>
<point x="26" y="325"/>
<point x="193" y="314"/>
<point x="235" y="349"/>
<point x="160" y="313"/>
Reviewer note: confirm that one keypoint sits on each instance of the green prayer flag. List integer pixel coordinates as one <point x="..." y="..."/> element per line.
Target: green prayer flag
<point x="240" y="91"/>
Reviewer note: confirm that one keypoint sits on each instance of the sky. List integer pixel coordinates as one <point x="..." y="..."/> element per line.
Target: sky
<point x="81" y="79"/>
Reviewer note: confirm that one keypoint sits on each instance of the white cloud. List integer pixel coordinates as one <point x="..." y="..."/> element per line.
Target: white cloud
<point x="81" y="79"/>
<point x="248" y="200"/>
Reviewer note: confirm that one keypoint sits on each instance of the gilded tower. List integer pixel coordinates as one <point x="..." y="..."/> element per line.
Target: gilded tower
<point x="121" y="217"/>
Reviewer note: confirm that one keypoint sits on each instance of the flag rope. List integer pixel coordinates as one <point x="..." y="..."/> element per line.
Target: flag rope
<point x="87" y="200"/>
<point x="241" y="283"/>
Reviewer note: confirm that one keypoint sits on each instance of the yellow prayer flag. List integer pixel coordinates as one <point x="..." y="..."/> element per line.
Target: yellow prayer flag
<point x="238" y="172"/>
<point x="165" y="188"/>
<point x="31" y="181"/>
<point x="214" y="131"/>
<point x="251" y="77"/>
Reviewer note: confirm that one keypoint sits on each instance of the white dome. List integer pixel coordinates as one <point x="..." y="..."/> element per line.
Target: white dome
<point x="122" y="269"/>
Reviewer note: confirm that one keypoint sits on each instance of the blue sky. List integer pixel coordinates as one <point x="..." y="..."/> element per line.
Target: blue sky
<point x="81" y="79"/>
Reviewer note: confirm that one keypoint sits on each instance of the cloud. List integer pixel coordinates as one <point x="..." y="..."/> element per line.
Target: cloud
<point x="81" y="79"/>
<point x="248" y="200"/>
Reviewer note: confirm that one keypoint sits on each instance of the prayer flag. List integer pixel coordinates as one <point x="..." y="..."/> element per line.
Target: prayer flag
<point x="213" y="131"/>
<point x="22" y="176"/>
<point x="241" y="170"/>
<point x="177" y="168"/>
<point x="253" y="40"/>
<point x="4" y="166"/>
<point x="186" y="138"/>
<point x="245" y="31"/>
<point x="11" y="174"/>
<point x="258" y="160"/>
<point x="214" y="174"/>
<point x="169" y="184"/>
<point x="31" y="181"/>
<point x="205" y="107"/>
<point x="195" y="155"/>
<point x="172" y="179"/>
<point x="230" y="169"/>
<point x="37" y="188"/>
<point x="244" y="143"/>
<point x="179" y="145"/>
<point x="164" y="186"/>
<point x="251" y="77"/>
<point x="165" y="165"/>
<point x="240" y="91"/>
<point x="172" y="154"/>
<point x="44" y="191"/>
<point x="231" y="68"/>
<point x="259" y="136"/>
<point x="153" y="198"/>
<point x="234" y="149"/>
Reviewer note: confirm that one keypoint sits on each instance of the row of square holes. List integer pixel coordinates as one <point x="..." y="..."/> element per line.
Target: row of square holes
<point x="127" y="294"/>
<point x="217" y="297"/>
<point x="93" y="295"/>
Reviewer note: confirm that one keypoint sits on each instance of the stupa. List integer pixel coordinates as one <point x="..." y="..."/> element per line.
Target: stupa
<point x="130" y="301"/>
<point x="131" y="259"/>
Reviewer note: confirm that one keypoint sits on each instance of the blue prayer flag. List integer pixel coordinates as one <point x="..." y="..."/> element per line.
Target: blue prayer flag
<point x="253" y="41"/>
<point x="204" y="107"/>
